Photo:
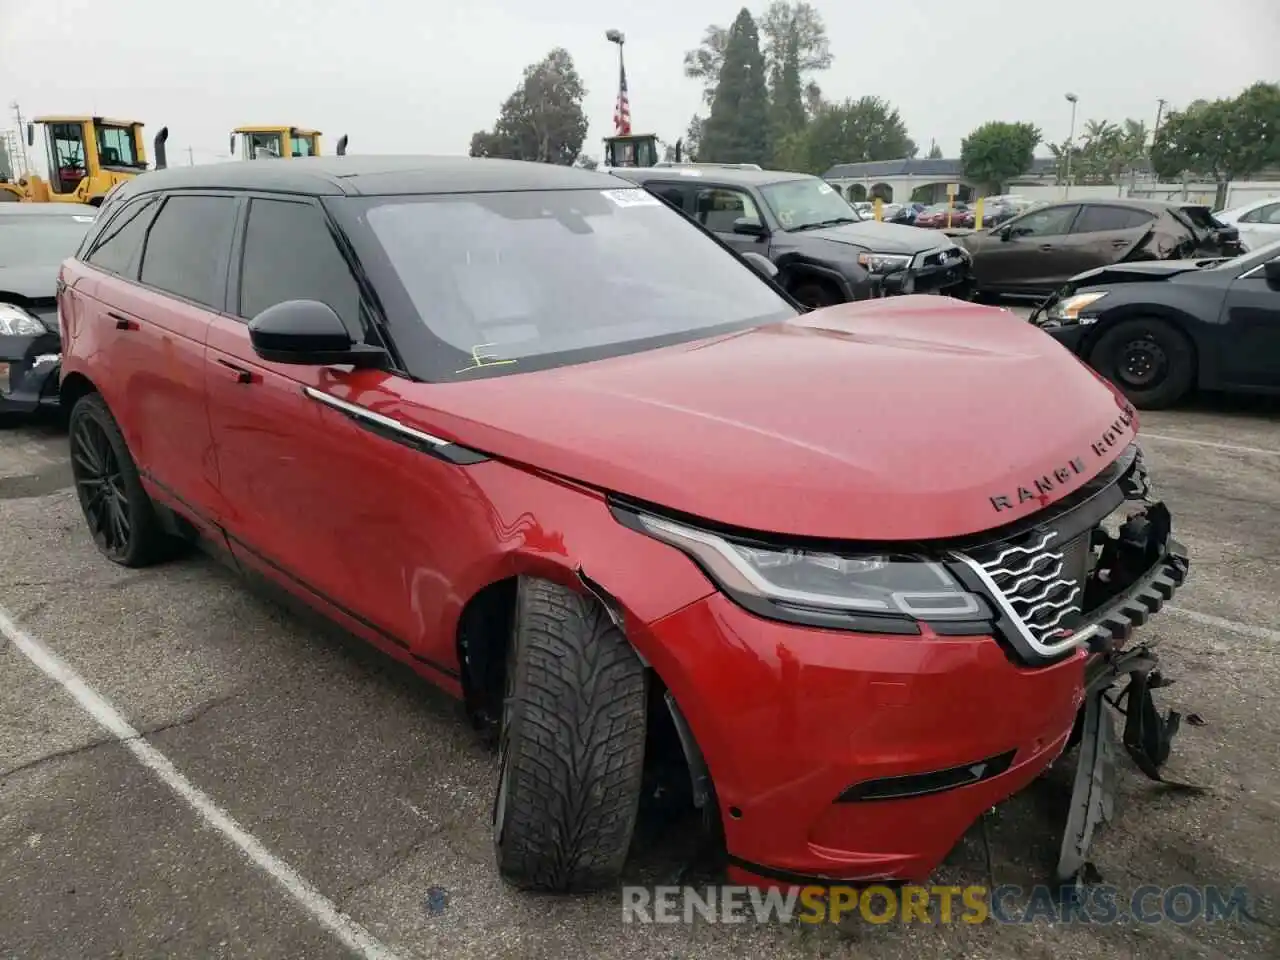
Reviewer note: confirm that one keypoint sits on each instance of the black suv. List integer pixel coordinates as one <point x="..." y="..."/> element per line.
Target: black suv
<point x="824" y="251"/>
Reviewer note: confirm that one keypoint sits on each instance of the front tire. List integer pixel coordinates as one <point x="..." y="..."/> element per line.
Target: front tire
<point x="816" y="294"/>
<point x="121" y="517"/>
<point x="1150" y="360"/>
<point x="572" y="747"/>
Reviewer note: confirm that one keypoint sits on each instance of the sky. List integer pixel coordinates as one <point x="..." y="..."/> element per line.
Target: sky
<point x="421" y="77"/>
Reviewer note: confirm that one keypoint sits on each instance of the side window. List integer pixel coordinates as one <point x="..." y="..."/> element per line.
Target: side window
<point x="118" y="249"/>
<point x="1049" y="222"/>
<point x="289" y="254"/>
<point x="187" y="248"/>
<point x="718" y="208"/>
<point x="1097" y="219"/>
<point x="671" y="192"/>
<point x="1267" y="214"/>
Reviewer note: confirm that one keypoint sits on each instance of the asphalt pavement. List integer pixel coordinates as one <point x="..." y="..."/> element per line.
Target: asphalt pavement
<point x="222" y="778"/>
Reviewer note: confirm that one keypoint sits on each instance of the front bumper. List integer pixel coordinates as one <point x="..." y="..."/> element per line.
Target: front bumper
<point x="839" y="756"/>
<point x="947" y="272"/>
<point x="29" y="372"/>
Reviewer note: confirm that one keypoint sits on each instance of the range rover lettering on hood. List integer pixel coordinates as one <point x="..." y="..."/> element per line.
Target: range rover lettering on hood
<point x="1040" y="488"/>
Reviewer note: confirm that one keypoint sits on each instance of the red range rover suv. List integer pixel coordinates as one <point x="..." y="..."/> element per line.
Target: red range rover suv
<point x="853" y="571"/>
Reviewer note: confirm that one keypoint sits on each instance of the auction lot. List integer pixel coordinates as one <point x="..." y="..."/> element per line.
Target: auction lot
<point x="361" y="788"/>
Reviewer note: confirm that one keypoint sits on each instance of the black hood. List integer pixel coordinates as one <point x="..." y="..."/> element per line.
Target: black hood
<point x="30" y="283"/>
<point x="1141" y="270"/>
<point x="880" y="237"/>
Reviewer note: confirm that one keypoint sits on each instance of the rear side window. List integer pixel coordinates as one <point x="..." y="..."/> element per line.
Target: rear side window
<point x="670" y="192"/>
<point x="290" y="254"/>
<point x="1268" y="214"/>
<point x="1095" y="219"/>
<point x="119" y="248"/>
<point x="187" y="246"/>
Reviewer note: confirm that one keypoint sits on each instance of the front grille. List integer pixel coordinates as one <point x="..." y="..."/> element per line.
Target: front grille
<point x="1039" y="580"/>
<point x="950" y="257"/>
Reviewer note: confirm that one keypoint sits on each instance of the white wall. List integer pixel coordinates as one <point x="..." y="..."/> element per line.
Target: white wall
<point x="1239" y="193"/>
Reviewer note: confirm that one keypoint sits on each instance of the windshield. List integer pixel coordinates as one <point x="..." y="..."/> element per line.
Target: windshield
<point x="1250" y="258"/>
<point x="522" y="281"/>
<point x="810" y="202"/>
<point x="40" y="241"/>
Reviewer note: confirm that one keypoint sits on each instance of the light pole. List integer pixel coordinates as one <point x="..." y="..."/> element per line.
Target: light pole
<point x="620" y="38"/>
<point x="1071" y="143"/>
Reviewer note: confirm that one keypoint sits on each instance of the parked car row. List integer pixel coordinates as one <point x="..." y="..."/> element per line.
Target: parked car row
<point x="560" y="449"/>
<point x="823" y="250"/>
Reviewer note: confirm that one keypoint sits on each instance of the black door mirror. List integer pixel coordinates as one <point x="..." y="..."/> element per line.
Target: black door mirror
<point x="1006" y="233"/>
<point x="749" y="227"/>
<point x="1271" y="270"/>
<point x="761" y="264"/>
<point x="309" y="332"/>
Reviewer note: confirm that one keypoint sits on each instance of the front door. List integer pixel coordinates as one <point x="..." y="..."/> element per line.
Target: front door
<point x="1031" y="259"/>
<point x="725" y="210"/>
<point x="1251" y="343"/>
<point x="314" y="499"/>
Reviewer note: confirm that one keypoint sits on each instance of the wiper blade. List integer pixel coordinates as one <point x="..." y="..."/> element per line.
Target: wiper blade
<point x="837" y="221"/>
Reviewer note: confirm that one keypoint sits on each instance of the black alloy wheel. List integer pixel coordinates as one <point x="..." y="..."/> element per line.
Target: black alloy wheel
<point x="1149" y="359"/>
<point x="121" y="517"/>
<point x="100" y="483"/>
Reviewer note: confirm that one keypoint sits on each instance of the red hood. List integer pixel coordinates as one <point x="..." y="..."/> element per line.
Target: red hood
<point x="890" y="419"/>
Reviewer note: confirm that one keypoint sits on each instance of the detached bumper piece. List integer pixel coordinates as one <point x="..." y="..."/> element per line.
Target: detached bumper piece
<point x="29" y="372"/>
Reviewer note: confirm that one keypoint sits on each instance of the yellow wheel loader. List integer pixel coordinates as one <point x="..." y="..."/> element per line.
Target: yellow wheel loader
<point x="262" y="143"/>
<point x="86" y="157"/>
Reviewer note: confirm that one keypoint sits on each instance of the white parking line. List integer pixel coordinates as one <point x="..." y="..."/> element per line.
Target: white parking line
<point x="1222" y="623"/>
<point x="1234" y="447"/>
<point x="354" y="936"/>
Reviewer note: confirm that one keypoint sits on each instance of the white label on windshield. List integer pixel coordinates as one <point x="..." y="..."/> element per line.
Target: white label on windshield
<point x="632" y="198"/>
<point x="824" y="188"/>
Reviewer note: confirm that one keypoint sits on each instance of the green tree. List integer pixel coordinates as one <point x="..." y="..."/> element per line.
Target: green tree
<point x="1225" y="140"/>
<point x="792" y="30"/>
<point x="543" y="119"/>
<point x="996" y="152"/>
<point x="935" y="152"/>
<point x="854" y="131"/>
<point x="737" y="131"/>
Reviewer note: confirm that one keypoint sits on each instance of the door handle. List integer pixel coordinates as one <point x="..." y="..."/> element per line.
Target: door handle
<point x="122" y="323"/>
<point x="1119" y="243"/>
<point x="1046" y="246"/>
<point x="242" y="375"/>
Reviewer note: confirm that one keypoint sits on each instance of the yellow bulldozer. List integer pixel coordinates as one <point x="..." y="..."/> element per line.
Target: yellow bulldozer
<point x="86" y="158"/>
<point x="260" y="143"/>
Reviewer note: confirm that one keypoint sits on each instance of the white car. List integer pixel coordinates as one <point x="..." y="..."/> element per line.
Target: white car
<point x="1258" y="222"/>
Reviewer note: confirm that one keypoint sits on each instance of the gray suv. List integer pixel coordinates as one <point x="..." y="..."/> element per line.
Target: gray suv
<point x="824" y="250"/>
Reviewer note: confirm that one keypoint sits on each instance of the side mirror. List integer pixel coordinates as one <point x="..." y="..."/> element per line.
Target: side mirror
<point x="308" y="332"/>
<point x="342" y="145"/>
<point x="1271" y="270"/>
<point x="749" y="227"/>
<point x="762" y="265"/>
<point x="231" y="146"/>
<point x="1006" y="233"/>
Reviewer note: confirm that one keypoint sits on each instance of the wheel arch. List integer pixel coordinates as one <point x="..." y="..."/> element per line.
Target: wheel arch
<point x="73" y="386"/>
<point x="1179" y="320"/>
<point x="794" y="269"/>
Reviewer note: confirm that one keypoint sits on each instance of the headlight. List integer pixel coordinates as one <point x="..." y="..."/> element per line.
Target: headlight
<point x="883" y="262"/>
<point x="900" y="586"/>
<point x="16" y="322"/>
<point x="1068" y="309"/>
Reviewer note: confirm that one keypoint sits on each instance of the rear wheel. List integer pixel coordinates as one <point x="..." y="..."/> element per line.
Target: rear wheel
<point x="121" y="517"/>
<point x="1150" y="360"/>
<point x="572" y="747"/>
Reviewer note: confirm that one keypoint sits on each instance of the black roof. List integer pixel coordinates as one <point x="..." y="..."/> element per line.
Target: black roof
<point x="374" y="175"/>
<point x="732" y="175"/>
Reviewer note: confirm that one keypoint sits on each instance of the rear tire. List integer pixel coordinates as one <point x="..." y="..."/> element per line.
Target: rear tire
<point x="120" y="515"/>
<point x="571" y="755"/>
<point x="1150" y="360"/>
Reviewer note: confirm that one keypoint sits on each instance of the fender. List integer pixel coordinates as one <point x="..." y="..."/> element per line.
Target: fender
<point x="794" y="265"/>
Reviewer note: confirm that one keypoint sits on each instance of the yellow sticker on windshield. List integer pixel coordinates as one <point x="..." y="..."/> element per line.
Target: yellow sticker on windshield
<point x="483" y="360"/>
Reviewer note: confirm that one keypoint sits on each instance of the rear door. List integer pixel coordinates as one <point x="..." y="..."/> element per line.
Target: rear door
<point x="167" y="259"/>
<point x="1260" y="225"/>
<point x="1102" y="235"/>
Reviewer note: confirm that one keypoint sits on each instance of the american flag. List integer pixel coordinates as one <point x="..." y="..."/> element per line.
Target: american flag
<point x="622" y="113"/>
